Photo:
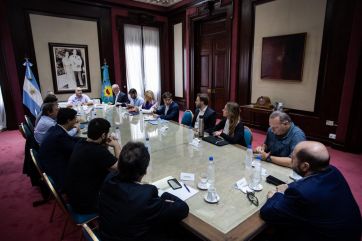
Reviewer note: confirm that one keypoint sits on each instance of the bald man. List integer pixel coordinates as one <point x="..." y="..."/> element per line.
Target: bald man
<point x="78" y="98"/>
<point x="281" y="138"/>
<point x="119" y="96"/>
<point x="318" y="207"/>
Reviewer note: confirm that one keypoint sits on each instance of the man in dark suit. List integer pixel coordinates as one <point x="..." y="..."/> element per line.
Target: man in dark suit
<point x="131" y="210"/>
<point x="170" y="110"/>
<point x="318" y="207"/>
<point x="202" y="109"/>
<point x="119" y="96"/>
<point x="57" y="146"/>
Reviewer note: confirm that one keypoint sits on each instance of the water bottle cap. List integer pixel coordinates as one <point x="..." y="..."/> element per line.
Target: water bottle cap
<point x="147" y="139"/>
<point x="249" y="146"/>
<point x="211" y="158"/>
<point x="258" y="158"/>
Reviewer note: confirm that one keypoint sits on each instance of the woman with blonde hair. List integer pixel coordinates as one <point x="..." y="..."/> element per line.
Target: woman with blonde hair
<point x="231" y="127"/>
<point x="150" y="103"/>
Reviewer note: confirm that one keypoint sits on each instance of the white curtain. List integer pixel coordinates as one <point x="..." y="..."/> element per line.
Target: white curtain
<point x="2" y="112"/>
<point x="151" y="61"/>
<point x="142" y="47"/>
<point x="134" y="64"/>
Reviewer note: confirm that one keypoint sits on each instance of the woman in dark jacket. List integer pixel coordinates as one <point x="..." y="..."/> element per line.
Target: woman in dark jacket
<point x="231" y="127"/>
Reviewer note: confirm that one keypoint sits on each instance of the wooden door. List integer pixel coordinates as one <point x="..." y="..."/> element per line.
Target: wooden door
<point x="212" y="62"/>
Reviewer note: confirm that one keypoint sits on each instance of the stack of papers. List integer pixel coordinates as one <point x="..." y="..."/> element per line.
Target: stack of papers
<point x="155" y="122"/>
<point x="149" y="118"/>
<point x="181" y="193"/>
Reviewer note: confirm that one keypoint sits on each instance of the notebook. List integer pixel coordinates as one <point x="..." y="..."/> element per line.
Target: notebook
<point x="215" y="140"/>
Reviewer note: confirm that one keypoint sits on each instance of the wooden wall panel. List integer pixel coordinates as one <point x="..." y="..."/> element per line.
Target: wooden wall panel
<point x="332" y="70"/>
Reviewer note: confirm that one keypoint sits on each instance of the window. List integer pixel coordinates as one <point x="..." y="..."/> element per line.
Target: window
<point x="142" y="51"/>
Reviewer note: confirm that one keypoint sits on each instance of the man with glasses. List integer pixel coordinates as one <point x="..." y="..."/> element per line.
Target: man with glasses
<point x="119" y="98"/>
<point x="58" y="145"/>
<point x="318" y="207"/>
<point x="170" y="109"/>
<point x="281" y="138"/>
<point x="49" y="119"/>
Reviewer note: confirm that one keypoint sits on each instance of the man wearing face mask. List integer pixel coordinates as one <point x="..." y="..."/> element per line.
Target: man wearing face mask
<point x="318" y="207"/>
<point x="89" y="164"/>
<point x="281" y="138"/>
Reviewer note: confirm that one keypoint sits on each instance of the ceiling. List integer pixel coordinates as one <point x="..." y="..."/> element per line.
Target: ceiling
<point x="165" y="3"/>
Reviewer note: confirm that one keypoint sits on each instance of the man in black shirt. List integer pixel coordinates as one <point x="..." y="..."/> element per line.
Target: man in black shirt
<point x="133" y="211"/>
<point x="89" y="164"/>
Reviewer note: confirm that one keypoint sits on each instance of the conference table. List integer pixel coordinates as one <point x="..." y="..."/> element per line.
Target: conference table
<point x="234" y="217"/>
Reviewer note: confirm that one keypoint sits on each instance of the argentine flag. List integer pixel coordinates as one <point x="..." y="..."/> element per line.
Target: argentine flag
<point x="107" y="94"/>
<point x="31" y="91"/>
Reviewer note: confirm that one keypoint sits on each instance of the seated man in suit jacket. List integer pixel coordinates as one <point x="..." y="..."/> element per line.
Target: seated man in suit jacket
<point x="170" y="110"/>
<point x="203" y="109"/>
<point x="57" y="146"/>
<point x="131" y="210"/>
<point x="119" y="96"/>
<point x="318" y="207"/>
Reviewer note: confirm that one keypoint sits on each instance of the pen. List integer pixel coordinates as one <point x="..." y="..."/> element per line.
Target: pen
<point x="186" y="187"/>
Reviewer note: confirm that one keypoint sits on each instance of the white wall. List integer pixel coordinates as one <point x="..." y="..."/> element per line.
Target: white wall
<point x="283" y="17"/>
<point x="178" y="64"/>
<point x="47" y="29"/>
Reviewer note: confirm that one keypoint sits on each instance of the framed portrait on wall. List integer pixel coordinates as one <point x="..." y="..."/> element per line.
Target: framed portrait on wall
<point x="283" y="56"/>
<point x="70" y="67"/>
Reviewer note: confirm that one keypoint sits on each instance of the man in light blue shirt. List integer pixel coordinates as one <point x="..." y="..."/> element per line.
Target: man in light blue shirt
<point x="135" y="101"/>
<point x="47" y="120"/>
<point x="79" y="98"/>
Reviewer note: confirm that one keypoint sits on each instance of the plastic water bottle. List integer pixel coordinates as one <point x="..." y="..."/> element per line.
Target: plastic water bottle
<point x="211" y="196"/>
<point x="247" y="163"/>
<point x="118" y="133"/>
<point x="211" y="172"/>
<point x="94" y="114"/>
<point x="255" y="183"/>
<point x="142" y="121"/>
<point x="190" y="134"/>
<point x="148" y="144"/>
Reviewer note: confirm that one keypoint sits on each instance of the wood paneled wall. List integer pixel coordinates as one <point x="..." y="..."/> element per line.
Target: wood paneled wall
<point x="338" y="90"/>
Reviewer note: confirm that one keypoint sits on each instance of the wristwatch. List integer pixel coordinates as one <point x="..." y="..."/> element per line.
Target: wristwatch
<point x="268" y="158"/>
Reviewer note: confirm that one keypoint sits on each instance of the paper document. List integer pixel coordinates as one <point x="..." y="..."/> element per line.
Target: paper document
<point x="181" y="193"/>
<point x="155" y="122"/>
<point x="243" y="186"/>
<point x="184" y="176"/>
<point x="149" y="118"/>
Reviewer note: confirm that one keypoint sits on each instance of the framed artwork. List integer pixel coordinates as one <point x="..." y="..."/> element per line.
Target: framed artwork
<point x="70" y="67"/>
<point x="282" y="57"/>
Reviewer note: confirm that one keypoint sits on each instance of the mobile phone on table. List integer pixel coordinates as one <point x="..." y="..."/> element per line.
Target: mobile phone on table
<point x="273" y="180"/>
<point x="174" y="184"/>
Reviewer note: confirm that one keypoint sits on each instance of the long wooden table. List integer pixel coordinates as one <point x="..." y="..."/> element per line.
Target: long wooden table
<point x="234" y="217"/>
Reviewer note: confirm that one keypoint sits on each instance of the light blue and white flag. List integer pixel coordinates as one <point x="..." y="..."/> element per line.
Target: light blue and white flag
<point x="31" y="91"/>
<point x="107" y="94"/>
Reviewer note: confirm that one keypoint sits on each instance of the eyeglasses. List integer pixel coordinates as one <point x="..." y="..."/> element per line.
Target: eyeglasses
<point x="252" y="198"/>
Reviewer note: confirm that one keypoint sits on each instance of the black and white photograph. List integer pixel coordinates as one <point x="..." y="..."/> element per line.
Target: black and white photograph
<point x="70" y="67"/>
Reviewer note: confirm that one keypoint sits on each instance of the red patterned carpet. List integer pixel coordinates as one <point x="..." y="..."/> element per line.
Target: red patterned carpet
<point x="21" y="221"/>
